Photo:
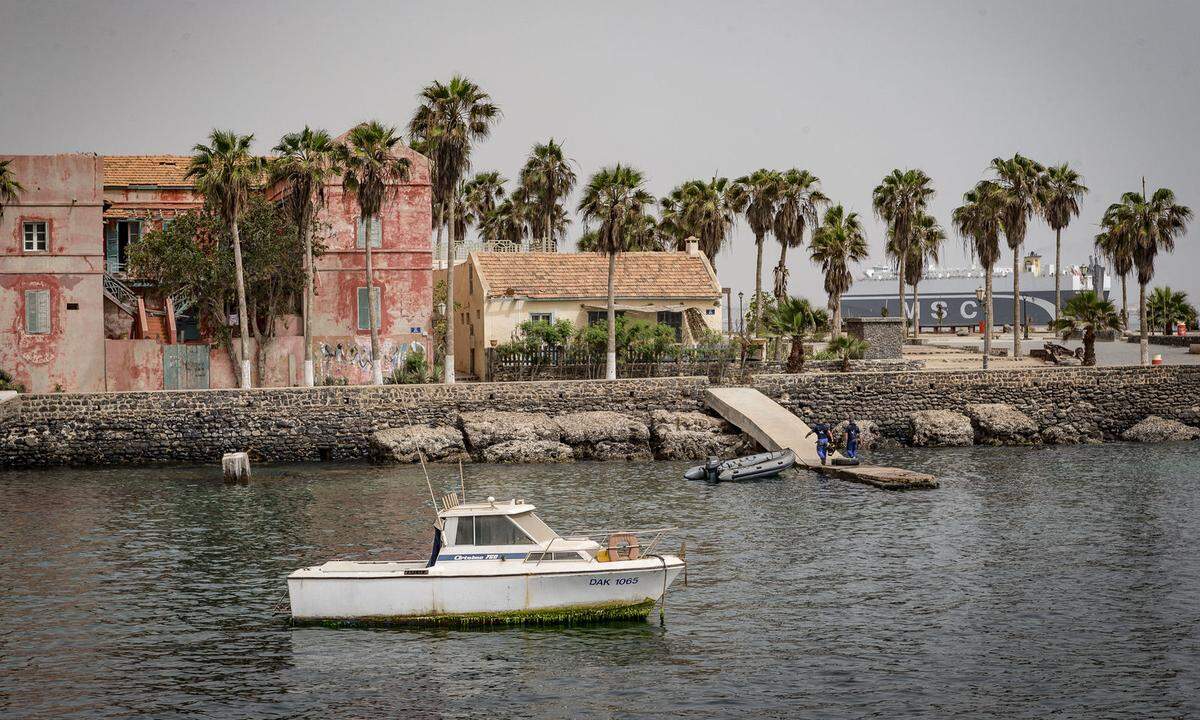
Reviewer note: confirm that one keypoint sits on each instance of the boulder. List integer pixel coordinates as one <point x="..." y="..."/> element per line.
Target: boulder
<point x="528" y="451"/>
<point x="1157" y="429"/>
<point x="1071" y="433"/>
<point x="491" y="427"/>
<point x="868" y="434"/>
<point x="1001" y="424"/>
<point x="439" y="444"/>
<point x="941" y="428"/>
<point x="605" y="435"/>
<point x="695" y="436"/>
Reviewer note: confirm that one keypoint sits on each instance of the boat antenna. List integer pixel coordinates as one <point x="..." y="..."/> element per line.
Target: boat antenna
<point x="428" y="483"/>
<point x="462" y="482"/>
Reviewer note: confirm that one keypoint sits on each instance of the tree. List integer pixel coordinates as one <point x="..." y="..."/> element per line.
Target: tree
<point x="615" y="198"/>
<point x="758" y="195"/>
<point x="1018" y="185"/>
<point x="370" y="165"/>
<point x="979" y="222"/>
<point x="1084" y="314"/>
<point x="847" y="348"/>
<point x="507" y="223"/>
<point x="1061" y="190"/>
<point x="1151" y="224"/>
<point x="1165" y="307"/>
<point x="705" y="210"/>
<point x="800" y="203"/>
<point x="224" y="171"/>
<point x="925" y="246"/>
<point x="304" y="162"/>
<point x="796" y="318"/>
<point x="838" y="242"/>
<point x="1117" y="248"/>
<point x="548" y="178"/>
<point x="898" y="200"/>
<point x="10" y="189"/>
<point x="451" y="118"/>
<point x="480" y="196"/>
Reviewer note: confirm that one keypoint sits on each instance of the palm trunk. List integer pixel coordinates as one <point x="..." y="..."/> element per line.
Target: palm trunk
<point x="1058" y="273"/>
<point x="1089" y="346"/>
<point x="549" y="230"/>
<point x="449" y="354"/>
<point x="781" y="282"/>
<point x="243" y="316"/>
<point x="916" y="312"/>
<point x="376" y="368"/>
<point x="758" y="248"/>
<point x="441" y="224"/>
<point x="903" y="313"/>
<point x="795" y="362"/>
<point x="309" y="377"/>
<point x="1124" y="301"/>
<point x="1016" y="302"/>
<point x="835" y="308"/>
<point x="1143" y="330"/>
<point x="987" y="317"/>
<point x="610" y="356"/>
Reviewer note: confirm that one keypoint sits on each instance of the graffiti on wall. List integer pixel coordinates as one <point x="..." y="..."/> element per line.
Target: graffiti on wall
<point x="348" y="357"/>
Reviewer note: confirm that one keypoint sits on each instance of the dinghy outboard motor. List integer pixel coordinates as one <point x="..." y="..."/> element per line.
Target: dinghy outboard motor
<point x="711" y="468"/>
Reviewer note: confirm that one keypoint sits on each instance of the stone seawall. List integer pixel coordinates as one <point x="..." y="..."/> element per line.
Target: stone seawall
<point x="336" y="423"/>
<point x="291" y="424"/>
<point x="1114" y="399"/>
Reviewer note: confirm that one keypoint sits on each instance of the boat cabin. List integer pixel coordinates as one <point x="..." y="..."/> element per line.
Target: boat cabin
<point x="504" y="531"/>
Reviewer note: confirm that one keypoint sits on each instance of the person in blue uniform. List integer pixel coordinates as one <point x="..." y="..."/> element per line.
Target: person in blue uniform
<point x="852" y="433"/>
<point x="821" y="430"/>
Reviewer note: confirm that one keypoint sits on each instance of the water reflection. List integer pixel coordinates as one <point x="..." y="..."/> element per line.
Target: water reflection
<point x="1034" y="581"/>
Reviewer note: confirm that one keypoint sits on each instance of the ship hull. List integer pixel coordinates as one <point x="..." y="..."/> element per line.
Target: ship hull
<point x="961" y="308"/>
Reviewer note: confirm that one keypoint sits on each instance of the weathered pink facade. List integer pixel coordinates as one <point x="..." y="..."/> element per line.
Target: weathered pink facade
<point x="94" y="343"/>
<point x="64" y="192"/>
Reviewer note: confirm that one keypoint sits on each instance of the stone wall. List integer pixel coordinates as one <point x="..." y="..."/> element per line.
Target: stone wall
<point x="1116" y="398"/>
<point x="1169" y="340"/>
<point x="291" y="424"/>
<point x="883" y="334"/>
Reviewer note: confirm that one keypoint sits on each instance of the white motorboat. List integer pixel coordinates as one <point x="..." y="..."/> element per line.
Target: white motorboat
<point x="493" y="562"/>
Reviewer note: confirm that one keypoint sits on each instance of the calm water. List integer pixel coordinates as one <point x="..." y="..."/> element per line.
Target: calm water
<point x="1033" y="583"/>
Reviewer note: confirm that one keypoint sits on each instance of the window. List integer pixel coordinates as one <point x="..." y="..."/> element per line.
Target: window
<point x="37" y="312"/>
<point x="541" y="317"/>
<point x="553" y="556"/>
<point x="36" y="236"/>
<point x="489" y="530"/>
<point x="600" y="317"/>
<point x="364" y="319"/>
<point x="117" y="238"/>
<point x="674" y="320"/>
<point x="376" y="233"/>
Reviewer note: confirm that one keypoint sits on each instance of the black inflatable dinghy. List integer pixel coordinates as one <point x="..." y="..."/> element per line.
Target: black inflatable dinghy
<point x="751" y="467"/>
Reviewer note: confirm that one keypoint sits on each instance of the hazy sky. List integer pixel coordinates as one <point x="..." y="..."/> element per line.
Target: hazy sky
<point x="848" y="90"/>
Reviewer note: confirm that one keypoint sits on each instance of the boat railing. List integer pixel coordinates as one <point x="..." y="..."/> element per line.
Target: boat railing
<point x="655" y="535"/>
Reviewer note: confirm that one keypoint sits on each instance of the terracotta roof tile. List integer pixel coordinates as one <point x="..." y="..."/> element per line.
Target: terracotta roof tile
<point x="157" y="170"/>
<point x="648" y="275"/>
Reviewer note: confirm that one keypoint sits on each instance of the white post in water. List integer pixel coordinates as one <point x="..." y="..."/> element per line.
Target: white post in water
<point x="236" y="466"/>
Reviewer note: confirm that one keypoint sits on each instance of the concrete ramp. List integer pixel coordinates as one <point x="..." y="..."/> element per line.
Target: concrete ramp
<point x="775" y="428"/>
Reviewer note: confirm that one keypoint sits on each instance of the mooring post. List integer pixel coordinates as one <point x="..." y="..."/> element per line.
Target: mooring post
<point x="236" y="466"/>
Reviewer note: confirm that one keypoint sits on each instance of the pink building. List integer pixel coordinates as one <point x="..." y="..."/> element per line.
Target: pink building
<point x="73" y="318"/>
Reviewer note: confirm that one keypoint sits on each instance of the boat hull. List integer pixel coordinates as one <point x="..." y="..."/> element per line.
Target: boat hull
<point x="558" y="596"/>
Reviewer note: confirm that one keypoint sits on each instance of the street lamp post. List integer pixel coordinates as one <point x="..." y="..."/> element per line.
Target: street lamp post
<point x="741" y="315"/>
<point x="980" y="296"/>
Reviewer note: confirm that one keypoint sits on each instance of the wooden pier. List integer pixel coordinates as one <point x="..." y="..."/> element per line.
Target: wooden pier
<point x="774" y="428"/>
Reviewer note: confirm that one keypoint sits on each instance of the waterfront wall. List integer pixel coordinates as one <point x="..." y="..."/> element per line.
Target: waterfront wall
<point x="335" y="423"/>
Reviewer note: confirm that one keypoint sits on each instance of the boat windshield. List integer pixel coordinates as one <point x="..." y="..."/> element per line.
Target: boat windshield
<point x="489" y="530"/>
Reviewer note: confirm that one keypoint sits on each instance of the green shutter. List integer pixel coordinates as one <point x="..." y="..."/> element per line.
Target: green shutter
<point x="37" y="312"/>
<point x="358" y="237"/>
<point x="376" y="233"/>
<point x="364" y="320"/>
<point x="112" y="249"/>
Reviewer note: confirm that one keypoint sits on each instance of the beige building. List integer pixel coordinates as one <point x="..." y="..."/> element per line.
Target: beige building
<point x="497" y="291"/>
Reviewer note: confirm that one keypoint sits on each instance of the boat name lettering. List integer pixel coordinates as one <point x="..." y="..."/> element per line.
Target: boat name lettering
<point x="489" y="556"/>
<point x="608" y="581"/>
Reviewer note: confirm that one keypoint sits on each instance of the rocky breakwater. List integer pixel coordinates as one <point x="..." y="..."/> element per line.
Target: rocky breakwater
<point x="525" y="437"/>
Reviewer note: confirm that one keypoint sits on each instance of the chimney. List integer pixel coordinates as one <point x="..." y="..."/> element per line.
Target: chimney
<point x="692" y="245"/>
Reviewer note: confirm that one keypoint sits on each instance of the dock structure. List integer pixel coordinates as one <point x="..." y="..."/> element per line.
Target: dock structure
<point x="775" y="428"/>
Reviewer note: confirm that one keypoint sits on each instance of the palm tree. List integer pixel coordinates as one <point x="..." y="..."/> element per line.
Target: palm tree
<point x="926" y="245"/>
<point x="304" y="161"/>
<point x="1084" y="314"/>
<point x="1152" y="224"/>
<point x="1117" y="248"/>
<point x="1165" y="307"/>
<point x="795" y="318"/>
<point x="838" y="242"/>
<point x="224" y="172"/>
<point x="979" y="222"/>
<point x="10" y="189"/>
<point x="898" y="200"/>
<point x="450" y="119"/>
<point x="370" y="165"/>
<point x="704" y="210"/>
<point x="1018" y="181"/>
<point x="480" y="196"/>
<point x="846" y="348"/>
<point x="1061" y="191"/>
<point x="506" y="223"/>
<point x="548" y="177"/>
<point x="615" y="198"/>
<point x="800" y="202"/>
<point x="759" y="196"/>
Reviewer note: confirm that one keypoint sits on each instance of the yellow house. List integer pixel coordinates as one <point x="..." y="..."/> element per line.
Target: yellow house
<point x="495" y="292"/>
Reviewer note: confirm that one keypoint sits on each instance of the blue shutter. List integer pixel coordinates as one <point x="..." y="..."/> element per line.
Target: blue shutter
<point x="358" y="236"/>
<point x="376" y="233"/>
<point x="112" y="249"/>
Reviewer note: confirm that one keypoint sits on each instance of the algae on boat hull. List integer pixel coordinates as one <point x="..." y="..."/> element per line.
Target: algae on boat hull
<point x="546" y="616"/>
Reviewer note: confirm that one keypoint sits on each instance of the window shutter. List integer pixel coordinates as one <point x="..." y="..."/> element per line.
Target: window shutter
<point x="37" y="312"/>
<point x="363" y="320"/>
<point x="112" y="249"/>
<point x="376" y="233"/>
<point x="358" y="238"/>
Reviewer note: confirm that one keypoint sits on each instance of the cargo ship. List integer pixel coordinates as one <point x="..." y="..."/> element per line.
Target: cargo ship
<point x="953" y="293"/>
